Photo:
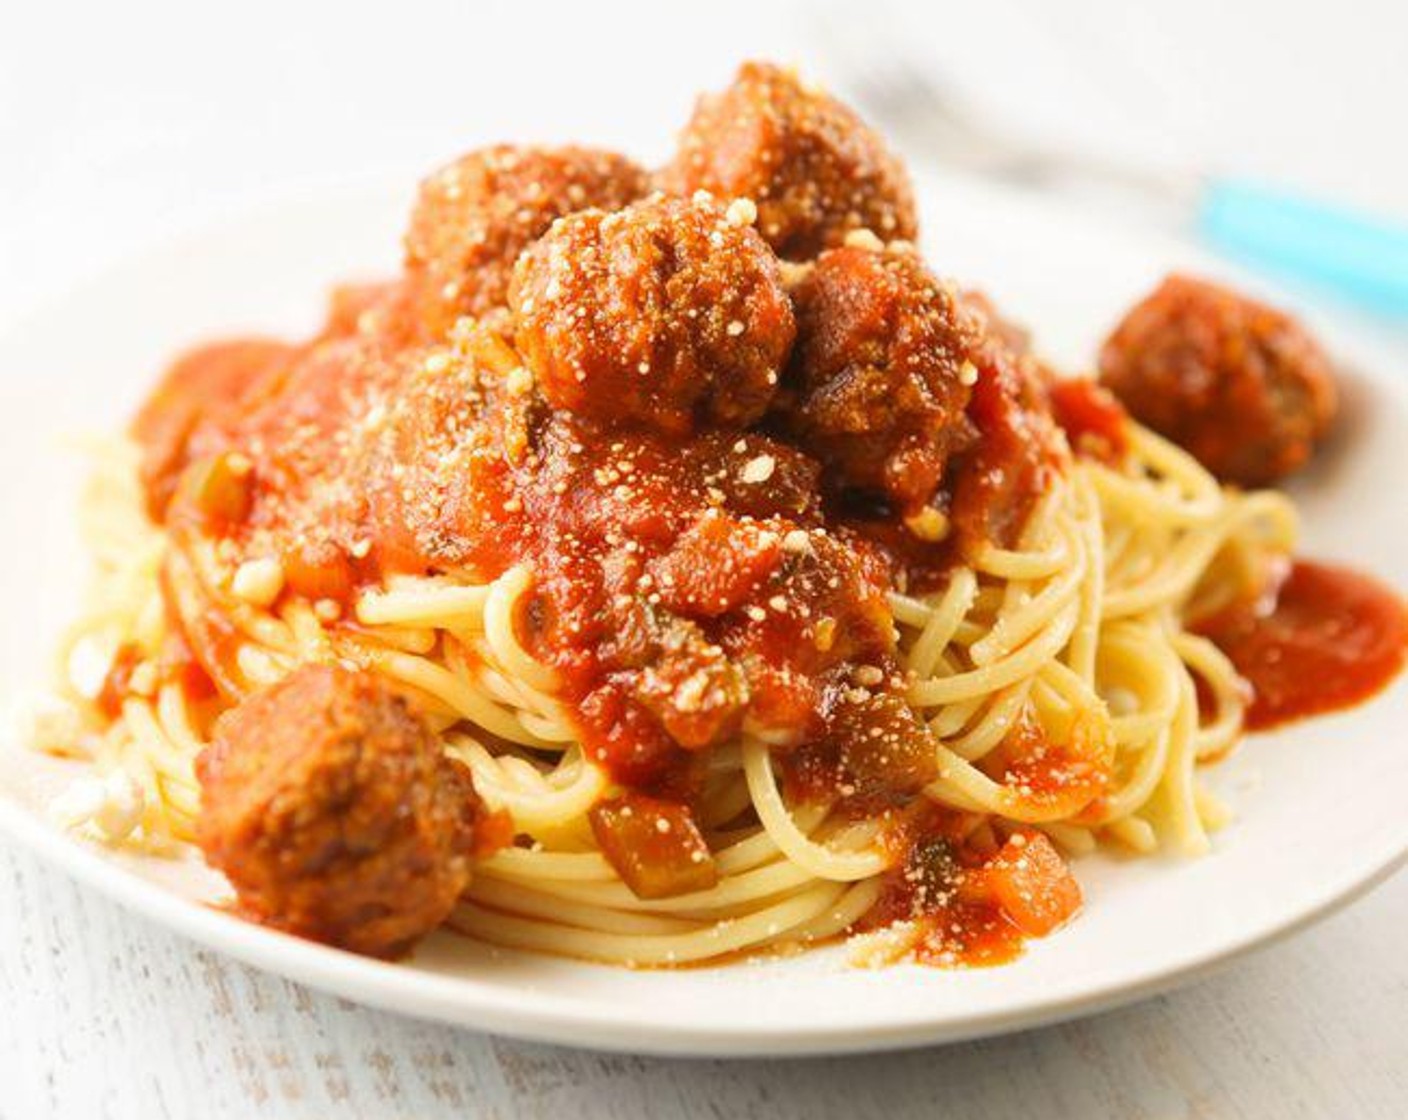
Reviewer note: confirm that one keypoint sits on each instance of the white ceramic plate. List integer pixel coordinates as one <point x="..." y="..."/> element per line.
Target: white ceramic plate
<point x="1320" y="806"/>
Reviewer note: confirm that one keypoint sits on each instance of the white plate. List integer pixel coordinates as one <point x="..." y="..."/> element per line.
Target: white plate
<point x="1320" y="806"/>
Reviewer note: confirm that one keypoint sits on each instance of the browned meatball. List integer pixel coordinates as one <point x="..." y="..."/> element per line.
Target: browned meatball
<point x="1240" y="385"/>
<point x="814" y="168"/>
<point x="669" y="314"/>
<point x="331" y="808"/>
<point x="882" y="373"/>
<point x="476" y="215"/>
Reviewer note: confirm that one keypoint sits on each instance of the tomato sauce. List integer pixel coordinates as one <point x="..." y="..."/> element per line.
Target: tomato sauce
<point x="1063" y="777"/>
<point x="118" y="681"/>
<point x="972" y="898"/>
<point x="1095" y="423"/>
<point x="681" y="586"/>
<point x="207" y="384"/>
<point x="1329" y="638"/>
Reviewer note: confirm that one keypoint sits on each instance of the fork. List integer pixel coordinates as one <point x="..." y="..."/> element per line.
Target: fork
<point x="1358" y="257"/>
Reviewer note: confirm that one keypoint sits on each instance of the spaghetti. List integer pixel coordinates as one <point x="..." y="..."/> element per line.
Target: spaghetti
<point x="1084" y="621"/>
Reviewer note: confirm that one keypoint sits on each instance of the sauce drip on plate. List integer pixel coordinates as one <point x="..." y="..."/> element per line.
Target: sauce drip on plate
<point x="1329" y="639"/>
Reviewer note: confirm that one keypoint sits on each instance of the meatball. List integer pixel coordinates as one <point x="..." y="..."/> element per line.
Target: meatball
<point x="881" y="374"/>
<point x="668" y="315"/>
<point x="1241" y="386"/>
<point x="814" y="169"/>
<point x="473" y="218"/>
<point x="331" y="808"/>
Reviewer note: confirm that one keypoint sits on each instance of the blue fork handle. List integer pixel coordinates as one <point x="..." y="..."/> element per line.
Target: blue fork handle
<point x="1358" y="258"/>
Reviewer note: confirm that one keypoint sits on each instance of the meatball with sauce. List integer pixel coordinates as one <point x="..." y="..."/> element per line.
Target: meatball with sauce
<point x="331" y="808"/>
<point x="882" y="373"/>
<point x="473" y="217"/>
<point x="815" y="170"/>
<point x="668" y="315"/>
<point x="1241" y="386"/>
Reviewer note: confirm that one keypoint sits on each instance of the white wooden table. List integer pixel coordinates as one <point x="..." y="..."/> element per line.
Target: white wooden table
<point x="105" y="1016"/>
<point x="117" y="120"/>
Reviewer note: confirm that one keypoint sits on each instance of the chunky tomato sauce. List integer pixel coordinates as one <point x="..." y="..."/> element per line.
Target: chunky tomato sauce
<point x="1094" y="421"/>
<point x="972" y="897"/>
<point x="1327" y="639"/>
<point x="682" y="587"/>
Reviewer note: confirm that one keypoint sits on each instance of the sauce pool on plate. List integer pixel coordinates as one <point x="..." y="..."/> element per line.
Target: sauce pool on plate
<point x="1330" y="639"/>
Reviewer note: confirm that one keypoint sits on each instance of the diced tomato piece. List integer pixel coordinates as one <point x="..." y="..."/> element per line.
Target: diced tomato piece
<point x="1033" y="885"/>
<point x="493" y="832"/>
<point x="716" y="566"/>
<point x="784" y="701"/>
<point x="654" y="845"/>
<point x="624" y="736"/>
<point x="319" y="570"/>
<point x="696" y="693"/>
<point x="1094" y="421"/>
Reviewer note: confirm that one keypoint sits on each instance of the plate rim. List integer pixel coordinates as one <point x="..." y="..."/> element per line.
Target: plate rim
<point x="544" y="1017"/>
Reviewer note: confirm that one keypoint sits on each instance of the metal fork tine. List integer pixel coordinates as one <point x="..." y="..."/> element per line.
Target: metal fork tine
<point x="901" y="93"/>
<point x="890" y="85"/>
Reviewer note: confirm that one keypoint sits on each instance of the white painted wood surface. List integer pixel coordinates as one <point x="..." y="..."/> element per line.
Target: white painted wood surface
<point x="162" y="110"/>
<point x="104" y="1016"/>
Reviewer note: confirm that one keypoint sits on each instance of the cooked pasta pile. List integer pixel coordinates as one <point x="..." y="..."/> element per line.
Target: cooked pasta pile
<point x="1081" y="628"/>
